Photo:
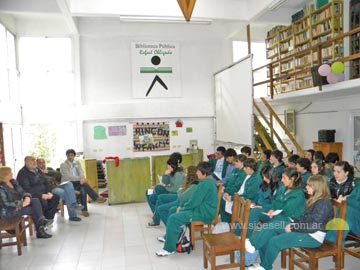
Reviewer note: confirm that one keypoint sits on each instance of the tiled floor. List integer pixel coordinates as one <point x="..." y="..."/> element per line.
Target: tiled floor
<point x="113" y="237"/>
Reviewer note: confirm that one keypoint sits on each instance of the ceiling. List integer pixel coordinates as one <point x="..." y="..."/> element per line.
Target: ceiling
<point x="234" y="13"/>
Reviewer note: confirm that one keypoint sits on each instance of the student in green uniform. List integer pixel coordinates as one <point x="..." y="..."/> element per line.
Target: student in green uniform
<point x="264" y="160"/>
<point x="183" y="195"/>
<point x="303" y="167"/>
<point x="219" y="164"/>
<point x="291" y="162"/>
<point x="269" y="189"/>
<point x="246" y="150"/>
<point x="308" y="230"/>
<point x="249" y="187"/>
<point x="318" y="168"/>
<point x="233" y="185"/>
<point x="171" y="181"/>
<point x="291" y="202"/>
<point x="230" y="155"/>
<point x="309" y="154"/>
<point x="276" y="160"/>
<point x="201" y="206"/>
<point x="330" y="160"/>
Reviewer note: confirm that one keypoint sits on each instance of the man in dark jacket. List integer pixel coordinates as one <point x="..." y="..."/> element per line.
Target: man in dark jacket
<point x="33" y="181"/>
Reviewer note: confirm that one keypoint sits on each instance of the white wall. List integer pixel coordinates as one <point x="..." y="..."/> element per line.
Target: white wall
<point x="333" y="113"/>
<point x="106" y="81"/>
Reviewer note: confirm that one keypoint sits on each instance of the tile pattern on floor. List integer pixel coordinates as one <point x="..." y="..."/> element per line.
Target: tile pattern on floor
<point x="112" y="238"/>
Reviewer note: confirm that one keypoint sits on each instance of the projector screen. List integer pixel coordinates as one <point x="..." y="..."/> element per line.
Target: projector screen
<point x="234" y="103"/>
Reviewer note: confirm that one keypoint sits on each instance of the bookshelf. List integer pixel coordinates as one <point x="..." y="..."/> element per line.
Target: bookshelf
<point x="313" y="27"/>
<point x="355" y="39"/>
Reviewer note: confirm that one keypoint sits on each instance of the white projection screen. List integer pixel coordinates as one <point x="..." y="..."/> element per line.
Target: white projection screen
<point x="234" y="103"/>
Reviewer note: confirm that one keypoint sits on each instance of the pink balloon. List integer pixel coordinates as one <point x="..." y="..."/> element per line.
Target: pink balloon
<point x="324" y="70"/>
<point x="341" y="77"/>
<point x="332" y="78"/>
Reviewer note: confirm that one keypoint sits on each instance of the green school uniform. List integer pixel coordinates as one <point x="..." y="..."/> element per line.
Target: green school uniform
<point x="213" y="162"/>
<point x="252" y="186"/>
<point x="305" y="177"/>
<point x="183" y="197"/>
<point x="292" y="203"/>
<point x="201" y="206"/>
<point x="173" y="183"/>
<point x="260" y="165"/>
<point x="235" y="181"/>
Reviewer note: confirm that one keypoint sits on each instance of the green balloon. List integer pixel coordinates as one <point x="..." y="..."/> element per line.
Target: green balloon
<point x="337" y="67"/>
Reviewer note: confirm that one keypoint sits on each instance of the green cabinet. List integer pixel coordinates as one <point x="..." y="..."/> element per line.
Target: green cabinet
<point x="128" y="182"/>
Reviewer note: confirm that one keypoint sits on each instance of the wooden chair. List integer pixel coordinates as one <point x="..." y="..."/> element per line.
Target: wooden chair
<point x="228" y="243"/>
<point x="29" y="224"/>
<point x="308" y="258"/>
<point x="61" y="207"/>
<point x="14" y="228"/>
<point x="352" y="246"/>
<point x="201" y="227"/>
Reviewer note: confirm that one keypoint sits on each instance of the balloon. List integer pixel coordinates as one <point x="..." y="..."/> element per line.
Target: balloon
<point x="341" y="77"/>
<point x="332" y="78"/>
<point x="337" y="67"/>
<point x="324" y="70"/>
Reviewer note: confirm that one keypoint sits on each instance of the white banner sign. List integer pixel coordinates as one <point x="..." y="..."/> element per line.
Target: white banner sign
<point x="155" y="69"/>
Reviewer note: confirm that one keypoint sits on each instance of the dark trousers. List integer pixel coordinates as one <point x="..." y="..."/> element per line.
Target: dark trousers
<point x="34" y="210"/>
<point x="85" y="190"/>
<point x="49" y="207"/>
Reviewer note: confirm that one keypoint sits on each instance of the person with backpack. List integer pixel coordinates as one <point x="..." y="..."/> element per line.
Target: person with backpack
<point x="201" y="206"/>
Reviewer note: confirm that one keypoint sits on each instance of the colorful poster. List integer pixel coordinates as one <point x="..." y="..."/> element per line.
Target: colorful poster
<point x="155" y="69"/>
<point x="151" y="137"/>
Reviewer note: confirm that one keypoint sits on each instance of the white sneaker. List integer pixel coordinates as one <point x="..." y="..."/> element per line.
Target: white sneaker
<point x="248" y="246"/>
<point x="255" y="267"/>
<point x="161" y="239"/>
<point x="164" y="253"/>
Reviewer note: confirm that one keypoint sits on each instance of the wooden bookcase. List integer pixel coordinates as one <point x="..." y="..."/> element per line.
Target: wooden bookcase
<point x="316" y="26"/>
<point x="326" y="148"/>
<point x="354" y="39"/>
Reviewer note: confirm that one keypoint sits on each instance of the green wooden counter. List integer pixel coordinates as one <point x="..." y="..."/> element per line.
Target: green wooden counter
<point x="128" y="182"/>
<point x="159" y="163"/>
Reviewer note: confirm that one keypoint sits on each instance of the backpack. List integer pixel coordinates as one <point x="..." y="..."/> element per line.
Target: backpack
<point x="183" y="244"/>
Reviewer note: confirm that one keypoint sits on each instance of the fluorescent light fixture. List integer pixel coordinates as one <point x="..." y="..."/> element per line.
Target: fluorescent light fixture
<point x="163" y="19"/>
<point x="276" y="4"/>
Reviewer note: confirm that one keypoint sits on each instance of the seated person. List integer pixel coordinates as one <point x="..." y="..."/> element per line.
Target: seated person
<point x="264" y="160"/>
<point x="171" y="181"/>
<point x="14" y="203"/>
<point x="269" y="189"/>
<point x="201" y="206"/>
<point x="33" y="181"/>
<point x="277" y="162"/>
<point x="291" y="163"/>
<point x="303" y="167"/>
<point x="71" y="170"/>
<point x="330" y="160"/>
<point x="309" y="154"/>
<point x="65" y="191"/>
<point x="318" y="168"/>
<point x="246" y="150"/>
<point x="219" y="164"/>
<point x="290" y="200"/>
<point x="183" y="195"/>
<point x="306" y="231"/>
<point x="229" y="155"/>
<point x="249" y="187"/>
<point x="342" y="183"/>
